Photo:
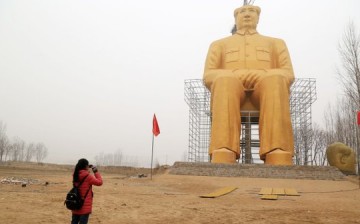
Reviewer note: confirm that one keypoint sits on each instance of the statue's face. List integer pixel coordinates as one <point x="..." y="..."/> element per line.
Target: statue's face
<point x="247" y="17"/>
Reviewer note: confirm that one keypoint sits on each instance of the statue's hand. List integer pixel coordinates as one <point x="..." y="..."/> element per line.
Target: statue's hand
<point x="249" y="77"/>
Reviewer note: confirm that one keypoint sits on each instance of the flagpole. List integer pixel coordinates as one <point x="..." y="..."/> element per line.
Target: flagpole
<point x="358" y="149"/>
<point x="152" y="153"/>
<point x="156" y="132"/>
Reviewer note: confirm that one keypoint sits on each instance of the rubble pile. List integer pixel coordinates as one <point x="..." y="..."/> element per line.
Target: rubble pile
<point x="18" y="180"/>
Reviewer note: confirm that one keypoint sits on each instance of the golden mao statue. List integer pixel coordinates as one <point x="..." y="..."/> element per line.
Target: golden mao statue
<point x="251" y="65"/>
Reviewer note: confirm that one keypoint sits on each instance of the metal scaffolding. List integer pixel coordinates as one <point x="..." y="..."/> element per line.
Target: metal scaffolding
<point x="198" y="99"/>
<point x="303" y="94"/>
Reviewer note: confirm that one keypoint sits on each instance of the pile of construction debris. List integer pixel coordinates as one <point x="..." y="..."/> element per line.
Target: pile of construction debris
<point x="18" y="180"/>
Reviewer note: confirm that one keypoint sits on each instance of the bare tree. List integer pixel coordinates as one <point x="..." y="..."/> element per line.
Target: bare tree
<point x="99" y="159"/>
<point x="349" y="74"/>
<point x="29" y="151"/>
<point x="4" y="141"/>
<point x="18" y="146"/>
<point x="318" y="146"/>
<point x="8" y="150"/>
<point x="115" y="159"/>
<point x="18" y="150"/>
<point x="109" y="159"/>
<point x="118" y="157"/>
<point x="340" y="121"/>
<point x="40" y="152"/>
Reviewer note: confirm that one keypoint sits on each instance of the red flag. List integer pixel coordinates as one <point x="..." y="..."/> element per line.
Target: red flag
<point x="156" y="129"/>
<point x="358" y="117"/>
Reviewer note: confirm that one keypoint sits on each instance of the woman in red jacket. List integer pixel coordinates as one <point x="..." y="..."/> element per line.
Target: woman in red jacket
<point x="81" y="172"/>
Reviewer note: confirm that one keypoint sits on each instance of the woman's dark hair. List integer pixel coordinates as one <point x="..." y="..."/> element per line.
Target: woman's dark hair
<point x="81" y="165"/>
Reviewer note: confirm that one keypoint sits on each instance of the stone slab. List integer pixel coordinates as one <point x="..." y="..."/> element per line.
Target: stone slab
<point x="257" y="171"/>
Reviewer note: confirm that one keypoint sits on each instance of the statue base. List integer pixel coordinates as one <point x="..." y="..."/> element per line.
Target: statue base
<point x="257" y="171"/>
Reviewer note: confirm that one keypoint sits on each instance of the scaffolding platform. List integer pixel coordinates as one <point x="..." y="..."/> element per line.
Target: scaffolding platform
<point x="197" y="96"/>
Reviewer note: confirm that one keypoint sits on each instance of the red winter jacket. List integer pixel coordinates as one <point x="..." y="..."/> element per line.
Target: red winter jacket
<point x="90" y="180"/>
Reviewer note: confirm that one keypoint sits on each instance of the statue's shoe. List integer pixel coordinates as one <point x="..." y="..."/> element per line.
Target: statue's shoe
<point x="223" y="155"/>
<point x="278" y="157"/>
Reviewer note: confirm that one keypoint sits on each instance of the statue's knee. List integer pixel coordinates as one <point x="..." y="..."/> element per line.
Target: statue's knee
<point x="276" y="78"/>
<point x="226" y="83"/>
<point x="270" y="81"/>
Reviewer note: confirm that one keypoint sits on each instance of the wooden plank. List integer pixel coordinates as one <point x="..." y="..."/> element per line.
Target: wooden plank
<point x="291" y="192"/>
<point x="220" y="192"/>
<point x="278" y="191"/>
<point x="269" y="197"/>
<point x="265" y="190"/>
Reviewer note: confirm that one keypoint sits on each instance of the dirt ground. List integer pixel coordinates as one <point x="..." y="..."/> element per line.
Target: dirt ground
<point x="127" y="198"/>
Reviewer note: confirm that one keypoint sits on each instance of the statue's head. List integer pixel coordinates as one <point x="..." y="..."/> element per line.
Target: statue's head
<point x="341" y="156"/>
<point x="247" y="17"/>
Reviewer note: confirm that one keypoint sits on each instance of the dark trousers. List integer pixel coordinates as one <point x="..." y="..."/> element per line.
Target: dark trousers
<point x="80" y="219"/>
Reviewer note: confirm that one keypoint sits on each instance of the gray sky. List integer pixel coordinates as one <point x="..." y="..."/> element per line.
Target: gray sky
<point x="86" y="77"/>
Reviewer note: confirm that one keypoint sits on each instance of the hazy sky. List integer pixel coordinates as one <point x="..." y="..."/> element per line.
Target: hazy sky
<point x="86" y="77"/>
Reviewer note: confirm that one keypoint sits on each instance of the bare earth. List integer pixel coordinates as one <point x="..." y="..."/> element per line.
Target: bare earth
<point x="126" y="198"/>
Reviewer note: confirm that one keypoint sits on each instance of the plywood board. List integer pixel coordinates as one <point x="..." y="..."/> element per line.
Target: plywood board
<point x="269" y="197"/>
<point x="278" y="191"/>
<point x="220" y="192"/>
<point x="291" y="192"/>
<point x="265" y="190"/>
